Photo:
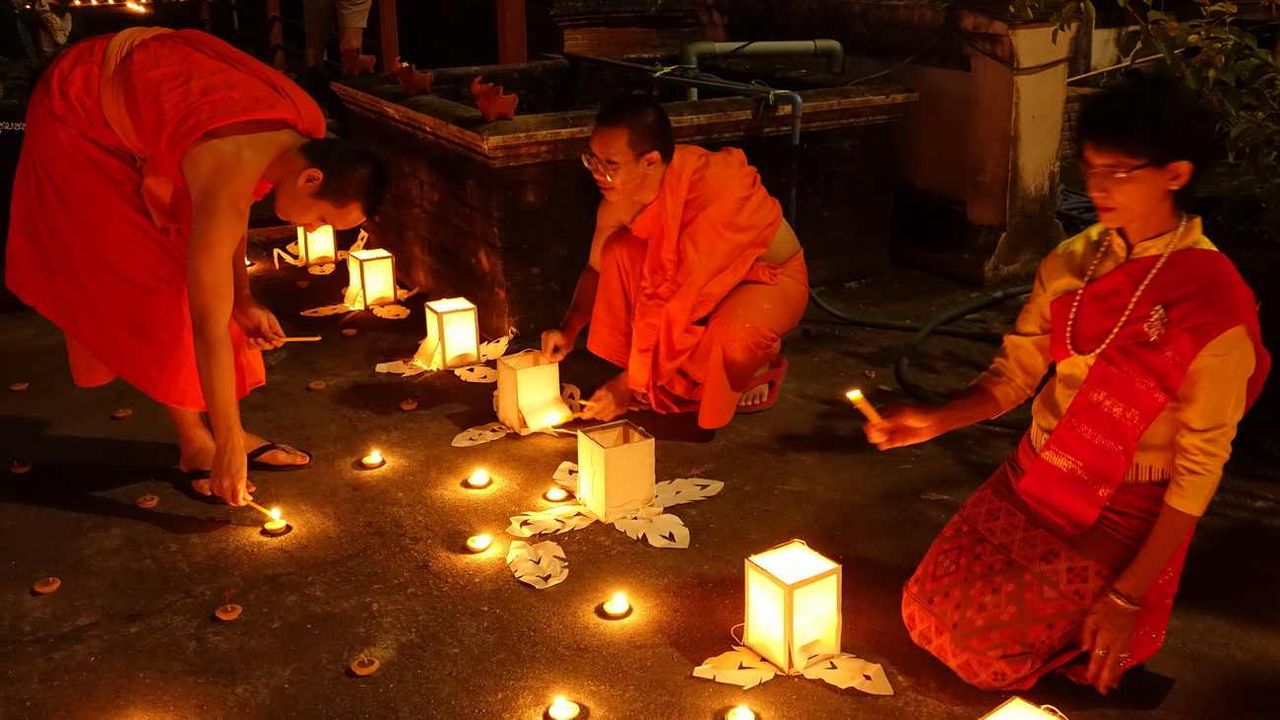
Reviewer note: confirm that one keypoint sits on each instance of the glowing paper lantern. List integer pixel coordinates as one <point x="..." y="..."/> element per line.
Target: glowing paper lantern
<point x="793" y="605"/>
<point x="615" y="469"/>
<point x="529" y="392"/>
<point x="1015" y="708"/>
<point x="373" y="278"/>
<point x="453" y="334"/>
<point x="317" y="246"/>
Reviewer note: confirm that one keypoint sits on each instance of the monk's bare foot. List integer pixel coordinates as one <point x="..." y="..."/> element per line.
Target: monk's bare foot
<point x="755" y="395"/>
<point x="284" y="456"/>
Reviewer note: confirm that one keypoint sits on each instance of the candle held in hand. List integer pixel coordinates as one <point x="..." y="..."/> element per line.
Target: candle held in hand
<point x="860" y="401"/>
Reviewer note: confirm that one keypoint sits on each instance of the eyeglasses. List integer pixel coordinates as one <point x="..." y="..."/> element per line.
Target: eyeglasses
<point x="603" y="168"/>
<point x="1110" y="174"/>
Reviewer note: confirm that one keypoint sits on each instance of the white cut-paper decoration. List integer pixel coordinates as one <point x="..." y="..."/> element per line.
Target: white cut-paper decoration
<point x="684" y="490"/>
<point x="480" y="435"/>
<point x="559" y="520"/>
<point x="659" y="529"/>
<point x="542" y="565"/>
<point x="848" y="671"/>
<point x="326" y="310"/>
<point x="566" y="476"/>
<point x="402" y="368"/>
<point x="288" y="255"/>
<point x="740" y="666"/>
<point x="477" y="374"/>
<point x="322" y="269"/>
<point x="390" y="312"/>
<point x="494" y="349"/>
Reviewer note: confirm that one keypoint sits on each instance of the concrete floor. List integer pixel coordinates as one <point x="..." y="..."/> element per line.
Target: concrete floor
<point x="371" y="566"/>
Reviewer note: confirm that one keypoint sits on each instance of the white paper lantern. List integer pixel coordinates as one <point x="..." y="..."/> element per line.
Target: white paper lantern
<point x="453" y="334"/>
<point x="615" y="469"/>
<point x="373" y="278"/>
<point x="317" y="246"/>
<point x="793" y="605"/>
<point x="529" y="392"/>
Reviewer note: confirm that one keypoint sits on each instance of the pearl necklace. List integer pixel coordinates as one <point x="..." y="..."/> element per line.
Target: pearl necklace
<point x="1124" y="317"/>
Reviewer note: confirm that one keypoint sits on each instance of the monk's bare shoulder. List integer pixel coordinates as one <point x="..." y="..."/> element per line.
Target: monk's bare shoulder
<point x="233" y="161"/>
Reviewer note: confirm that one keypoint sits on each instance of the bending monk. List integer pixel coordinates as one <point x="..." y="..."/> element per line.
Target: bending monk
<point x="143" y="154"/>
<point x="1069" y="556"/>
<point x="692" y="279"/>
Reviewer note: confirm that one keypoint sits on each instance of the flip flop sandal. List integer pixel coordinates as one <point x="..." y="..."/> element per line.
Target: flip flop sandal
<point x="258" y="452"/>
<point x="773" y="377"/>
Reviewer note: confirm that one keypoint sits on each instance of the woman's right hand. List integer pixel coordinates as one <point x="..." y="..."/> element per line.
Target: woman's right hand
<point x="556" y="345"/>
<point x="228" y="478"/>
<point x="904" y="425"/>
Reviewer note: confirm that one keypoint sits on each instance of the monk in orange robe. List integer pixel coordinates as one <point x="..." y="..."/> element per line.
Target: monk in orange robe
<point x="693" y="277"/>
<point x="143" y="153"/>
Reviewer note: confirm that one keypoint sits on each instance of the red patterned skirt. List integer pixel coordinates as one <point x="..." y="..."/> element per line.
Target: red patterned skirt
<point x="1000" y="598"/>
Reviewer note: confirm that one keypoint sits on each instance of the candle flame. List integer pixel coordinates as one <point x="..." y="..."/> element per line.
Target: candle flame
<point x="562" y="708"/>
<point x="617" y="605"/>
<point x="479" y="543"/>
<point x="275" y="513"/>
<point x="556" y="493"/>
<point x="740" y="712"/>
<point x="135" y="7"/>
<point x="479" y="478"/>
<point x="854" y="395"/>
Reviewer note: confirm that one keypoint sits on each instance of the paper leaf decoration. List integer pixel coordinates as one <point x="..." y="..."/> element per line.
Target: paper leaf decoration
<point x="291" y="248"/>
<point x="403" y="368"/>
<point x="322" y="269"/>
<point x="847" y="671"/>
<point x="361" y="240"/>
<point x="740" y="666"/>
<point x="390" y="312"/>
<point x="572" y="396"/>
<point x="659" y="529"/>
<point x="480" y="435"/>
<point x="477" y="374"/>
<point x="542" y="565"/>
<point x="326" y="310"/>
<point x="494" y="349"/>
<point x="684" y="490"/>
<point x="559" y="520"/>
<point x="566" y="476"/>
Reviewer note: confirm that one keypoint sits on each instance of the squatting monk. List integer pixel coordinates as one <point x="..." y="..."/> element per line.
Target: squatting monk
<point x="143" y="153"/>
<point x="692" y="279"/>
<point x="1068" y="557"/>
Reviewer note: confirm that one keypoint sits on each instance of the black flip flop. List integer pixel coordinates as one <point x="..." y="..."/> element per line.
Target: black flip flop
<point x="256" y="464"/>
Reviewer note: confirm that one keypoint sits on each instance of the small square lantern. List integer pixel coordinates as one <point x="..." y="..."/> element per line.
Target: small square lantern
<point x="373" y="278"/>
<point x="1015" y="708"/>
<point x="615" y="469"/>
<point x="317" y="246"/>
<point x="529" y="392"/>
<point x="793" y="605"/>
<point x="453" y="334"/>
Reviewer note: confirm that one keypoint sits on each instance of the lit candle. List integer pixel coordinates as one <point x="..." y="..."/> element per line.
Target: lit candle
<point x="479" y="543"/>
<point x="479" y="479"/>
<point x="860" y="401"/>
<point x="617" y="607"/>
<point x="275" y="526"/>
<point x="373" y="460"/>
<point x="556" y="494"/>
<point x="562" y="708"/>
<point x="740" y="712"/>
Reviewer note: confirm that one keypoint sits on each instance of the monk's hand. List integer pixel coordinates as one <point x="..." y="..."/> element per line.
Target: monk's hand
<point x="610" y="402"/>
<point x="556" y="345"/>
<point x="1107" y="635"/>
<point x="903" y="425"/>
<point x="259" y="324"/>
<point x="229" y="476"/>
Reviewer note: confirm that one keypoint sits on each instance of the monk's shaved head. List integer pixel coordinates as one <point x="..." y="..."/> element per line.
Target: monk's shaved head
<point x="648" y="127"/>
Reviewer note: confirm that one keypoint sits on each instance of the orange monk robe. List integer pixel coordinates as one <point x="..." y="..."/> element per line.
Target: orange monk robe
<point x="101" y="213"/>
<point x="683" y="303"/>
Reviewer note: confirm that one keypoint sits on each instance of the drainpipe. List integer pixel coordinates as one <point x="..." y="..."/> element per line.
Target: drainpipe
<point x="831" y="49"/>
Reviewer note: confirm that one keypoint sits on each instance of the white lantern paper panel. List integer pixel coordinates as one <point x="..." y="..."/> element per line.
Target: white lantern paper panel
<point x="317" y="246"/>
<point x="615" y="469"/>
<point x="453" y="334"/>
<point x="1015" y="708"/>
<point x="372" y="278"/>
<point x="793" y="605"/>
<point x="529" y="392"/>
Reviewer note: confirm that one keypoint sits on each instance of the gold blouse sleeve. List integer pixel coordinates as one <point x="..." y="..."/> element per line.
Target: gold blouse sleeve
<point x="1024" y="357"/>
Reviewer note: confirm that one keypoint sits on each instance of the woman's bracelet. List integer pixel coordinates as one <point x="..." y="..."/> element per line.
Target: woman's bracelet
<point x="1123" y="600"/>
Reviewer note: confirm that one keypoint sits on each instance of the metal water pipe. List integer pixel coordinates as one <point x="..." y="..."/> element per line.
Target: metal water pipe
<point x="832" y="50"/>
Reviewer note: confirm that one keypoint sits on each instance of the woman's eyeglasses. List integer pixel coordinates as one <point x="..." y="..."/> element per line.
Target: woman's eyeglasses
<point x="1097" y="174"/>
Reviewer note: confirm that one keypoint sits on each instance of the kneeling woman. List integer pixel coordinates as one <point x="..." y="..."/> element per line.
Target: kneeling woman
<point x="1069" y="556"/>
